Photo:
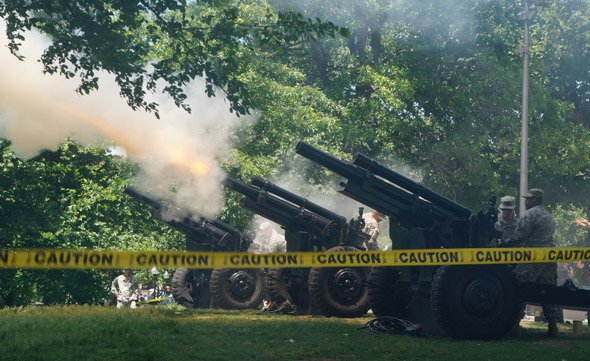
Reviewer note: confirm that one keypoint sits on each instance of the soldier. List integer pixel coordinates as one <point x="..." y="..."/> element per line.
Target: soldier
<point x="536" y="229"/>
<point x="125" y="288"/>
<point x="507" y="220"/>
<point x="268" y="240"/>
<point x="372" y="220"/>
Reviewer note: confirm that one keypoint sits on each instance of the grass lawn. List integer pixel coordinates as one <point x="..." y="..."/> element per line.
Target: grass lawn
<point x="175" y="333"/>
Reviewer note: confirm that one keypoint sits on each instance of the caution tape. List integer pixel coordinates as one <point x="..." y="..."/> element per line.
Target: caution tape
<point x="156" y="300"/>
<point x="111" y="259"/>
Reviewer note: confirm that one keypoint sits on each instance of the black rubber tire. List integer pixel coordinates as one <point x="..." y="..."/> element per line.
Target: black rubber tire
<point x="329" y="295"/>
<point x="475" y="302"/>
<point x="286" y="284"/>
<point x="237" y="289"/>
<point x="186" y="289"/>
<point x="384" y="298"/>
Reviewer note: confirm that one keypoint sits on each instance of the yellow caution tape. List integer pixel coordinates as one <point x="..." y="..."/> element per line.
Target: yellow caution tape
<point x="155" y="300"/>
<point x="110" y="259"/>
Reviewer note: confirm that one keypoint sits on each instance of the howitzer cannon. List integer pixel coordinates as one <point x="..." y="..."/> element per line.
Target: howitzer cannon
<point x="479" y="302"/>
<point x="230" y="289"/>
<point x="309" y="227"/>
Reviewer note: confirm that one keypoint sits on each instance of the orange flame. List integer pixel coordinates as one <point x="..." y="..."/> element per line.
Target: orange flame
<point x="174" y="156"/>
<point x="187" y="161"/>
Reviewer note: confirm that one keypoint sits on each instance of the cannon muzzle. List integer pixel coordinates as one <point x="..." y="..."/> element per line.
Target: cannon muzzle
<point x="297" y="200"/>
<point x="415" y="188"/>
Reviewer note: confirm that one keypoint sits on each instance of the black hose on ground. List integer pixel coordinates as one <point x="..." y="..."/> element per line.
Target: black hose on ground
<point x="392" y="326"/>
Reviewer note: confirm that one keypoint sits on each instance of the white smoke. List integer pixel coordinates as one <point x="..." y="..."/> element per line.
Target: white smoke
<point x="440" y="18"/>
<point x="260" y="228"/>
<point x="327" y="196"/>
<point x="38" y="112"/>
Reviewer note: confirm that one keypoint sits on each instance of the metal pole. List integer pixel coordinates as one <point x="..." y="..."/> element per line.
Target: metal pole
<point x="524" y="148"/>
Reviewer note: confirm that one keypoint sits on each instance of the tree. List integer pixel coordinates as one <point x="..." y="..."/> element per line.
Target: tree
<point x="149" y="42"/>
<point x="562" y="53"/>
<point x="438" y="86"/>
<point x="70" y="198"/>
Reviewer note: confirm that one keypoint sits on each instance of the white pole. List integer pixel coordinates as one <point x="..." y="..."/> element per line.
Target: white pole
<point x="524" y="148"/>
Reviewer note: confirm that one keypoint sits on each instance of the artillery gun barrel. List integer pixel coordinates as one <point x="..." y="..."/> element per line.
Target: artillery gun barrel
<point x="263" y="204"/>
<point x="242" y="188"/>
<point x="186" y="225"/>
<point x="334" y="164"/>
<point x="387" y="198"/>
<point x="143" y="198"/>
<point x="224" y="226"/>
<point x="298" y="200"/>
<point x="398" y="199"/>
<point x="377" y="192"/>
<point x="277" y="209"/>
<point x="224" y="230"/>
<point x="416" y="188"/>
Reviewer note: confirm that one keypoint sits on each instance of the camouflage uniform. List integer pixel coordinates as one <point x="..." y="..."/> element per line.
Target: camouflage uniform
<point x="276" y="243"/>
<point x="126" y="289"/>
<point x="268" y="240"/>
<point x="536" y="229"/>
<point x="372" y="229"/>
<point x="506" y="226"/>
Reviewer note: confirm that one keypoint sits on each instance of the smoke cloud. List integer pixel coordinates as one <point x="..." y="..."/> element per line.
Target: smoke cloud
<point x="328" y="197"/>
<point x="38" y="112"/>
<point x="434" y="19"/>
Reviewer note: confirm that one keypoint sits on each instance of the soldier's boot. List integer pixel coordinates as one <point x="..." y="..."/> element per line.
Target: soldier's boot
<point x="552" y="330"/>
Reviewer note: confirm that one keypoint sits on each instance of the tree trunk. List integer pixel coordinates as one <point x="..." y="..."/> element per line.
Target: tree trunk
<point x="320" y="56"/>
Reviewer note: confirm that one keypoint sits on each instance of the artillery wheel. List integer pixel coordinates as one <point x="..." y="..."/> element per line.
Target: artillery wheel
<point x="475" y="302"/>
<point x="187" y="286"/>
<point x="340" y="292"/>
<point x="286" y="284"/>
<point x="237" y="289"/>
<point x="384" y="298"/>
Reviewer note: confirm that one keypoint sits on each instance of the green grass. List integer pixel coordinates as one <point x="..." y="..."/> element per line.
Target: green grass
<point x="175" y="333"/>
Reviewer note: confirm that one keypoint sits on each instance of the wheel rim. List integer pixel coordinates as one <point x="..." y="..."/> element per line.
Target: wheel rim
<point x="346" y="284"/>
<point x="242" y="284"/>
<point x="187" y="286"/>
<point x="482" y="296"/>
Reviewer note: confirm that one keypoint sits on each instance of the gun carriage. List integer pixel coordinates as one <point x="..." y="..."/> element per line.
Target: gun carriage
<point x="338" y="292"/>
<point x="477" y="302"/>
<point x="227" y="288"/>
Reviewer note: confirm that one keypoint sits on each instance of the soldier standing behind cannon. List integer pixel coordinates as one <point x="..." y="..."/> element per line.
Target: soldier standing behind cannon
<point x="507" y="221"/>
<point x="536" y="229"/>
<point x="371" y="228"/>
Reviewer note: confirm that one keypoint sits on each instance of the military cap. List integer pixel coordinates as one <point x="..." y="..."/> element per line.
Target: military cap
<point x="534" y="193"/>
<point x="507" y="202"/>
